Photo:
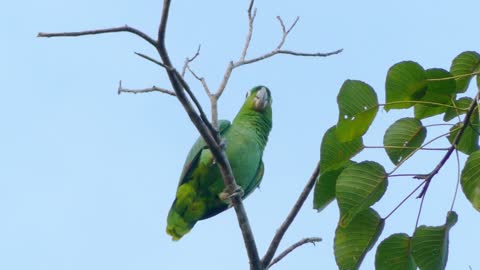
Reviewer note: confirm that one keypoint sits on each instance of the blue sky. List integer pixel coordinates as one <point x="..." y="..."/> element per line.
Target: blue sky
<point x="87" y="176"/>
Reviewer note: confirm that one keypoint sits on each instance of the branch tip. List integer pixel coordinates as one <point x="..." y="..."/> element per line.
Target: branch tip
<point x="287" y="251"/>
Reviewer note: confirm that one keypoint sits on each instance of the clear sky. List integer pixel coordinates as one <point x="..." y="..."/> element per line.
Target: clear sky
<point x="87" y="177"/>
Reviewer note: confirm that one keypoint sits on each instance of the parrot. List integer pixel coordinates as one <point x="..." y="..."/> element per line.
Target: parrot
<point x="200" y="192"/>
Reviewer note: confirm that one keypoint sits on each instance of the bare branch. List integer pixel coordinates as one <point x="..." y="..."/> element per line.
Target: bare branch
<point x="146" y="90"/>
<point x="231" y="187"/>
<point x="189" y="60"/>
<point x="291" y="216"/>
<point x="274" y="52"/>
<point x="153" y="60"/>
<point x="285" y="32"/>
<point x="278" y="50"/>
<point x="317" y="54"/>
<point x="302" y="242"/>
<point x="248" y="39"/>
<point x="125" y="28"/>
<point x="250" y="6"/>
<point x="226" y="77"/>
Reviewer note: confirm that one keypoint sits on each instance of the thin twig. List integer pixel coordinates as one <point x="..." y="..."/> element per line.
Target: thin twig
<point x="275" y="52"/>
<point x="125" y="28"/>
<point x="153" y="60"/>
<point x="189" y="60"/>
<point x="285" y="32"/>
<point x="185" y="86"/>
<point x="203" y="116"/>
<point x="304" y="241"/>
<point x="202" y="81"/>
<point x="250" y="6"/>
<point x="145" y="90"/>
<point x="455" y="141"/>
<point x="248" y="39"/>
<point x="291" y="216"/>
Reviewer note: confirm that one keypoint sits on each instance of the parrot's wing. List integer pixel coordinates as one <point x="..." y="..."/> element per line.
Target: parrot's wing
<point x="197" y="149"/>
<point x="256" y="182"/>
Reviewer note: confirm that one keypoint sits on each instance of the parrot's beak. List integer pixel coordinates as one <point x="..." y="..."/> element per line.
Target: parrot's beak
<point x="261" y="99"/>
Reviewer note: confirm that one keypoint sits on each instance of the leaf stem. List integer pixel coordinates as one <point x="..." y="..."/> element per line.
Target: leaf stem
<point x="404" y="200"/>
<point x="455" y="77"/>
<point x="405" y="147"/>
<point x="458" y="181"/>
<point x="424" y="103"/>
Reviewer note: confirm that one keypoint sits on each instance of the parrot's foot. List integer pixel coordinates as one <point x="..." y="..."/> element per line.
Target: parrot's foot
<point x="227" y="197"/>
<point x="223" y="143"/>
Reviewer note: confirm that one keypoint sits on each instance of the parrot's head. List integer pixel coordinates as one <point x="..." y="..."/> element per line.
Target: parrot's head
<point x="258" y="99"/>
<point x="256" y="113"/>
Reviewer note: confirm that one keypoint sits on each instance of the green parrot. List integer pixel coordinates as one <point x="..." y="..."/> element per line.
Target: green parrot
<point x="200" y="190"/>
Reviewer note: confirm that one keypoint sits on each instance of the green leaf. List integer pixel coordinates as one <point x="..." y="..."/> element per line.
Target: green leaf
<point x="470" y="179"/>
<point x="406" y="81"/>
<point x="358" y="187"/>
<point x="403" y="137"/>
<point x="438" y="91"/>
<point x="461" y="105"/>
<point x="334" y="153"/>
<point x="358" y="106"/>
<point x="354" y="241"/>
<point x="465" y="63"/>
<point x="440" y="81"/>
<point x="394" y="253"/>
<point x="324" y="192"/>
<point x="469" y="141"/>
<point x="430" y="244"/>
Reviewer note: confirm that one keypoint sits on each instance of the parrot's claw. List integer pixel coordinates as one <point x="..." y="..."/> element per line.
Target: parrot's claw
<point x="227" y="197"/>
<point x="223" y="143"/>
<point x="238" y="191"/>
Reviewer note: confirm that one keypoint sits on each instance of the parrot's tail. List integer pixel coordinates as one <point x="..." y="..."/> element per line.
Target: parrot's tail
<point x="177" y="226"/>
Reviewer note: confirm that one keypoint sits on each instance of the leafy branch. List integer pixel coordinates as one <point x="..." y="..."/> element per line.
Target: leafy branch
<point x="455" y="142"/>
<point x="357" y="186"/>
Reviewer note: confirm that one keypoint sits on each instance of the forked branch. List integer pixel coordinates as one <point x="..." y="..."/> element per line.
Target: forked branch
<point x="208" y="131"/>
<point x="125" y="28"/>
<point x="278" y="50"/>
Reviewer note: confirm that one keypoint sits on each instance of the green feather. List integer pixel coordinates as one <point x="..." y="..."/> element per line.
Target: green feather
<point x="201" y="183"/>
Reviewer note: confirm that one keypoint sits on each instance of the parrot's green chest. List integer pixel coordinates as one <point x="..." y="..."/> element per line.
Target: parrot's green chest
<point x="244" y="156"/>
